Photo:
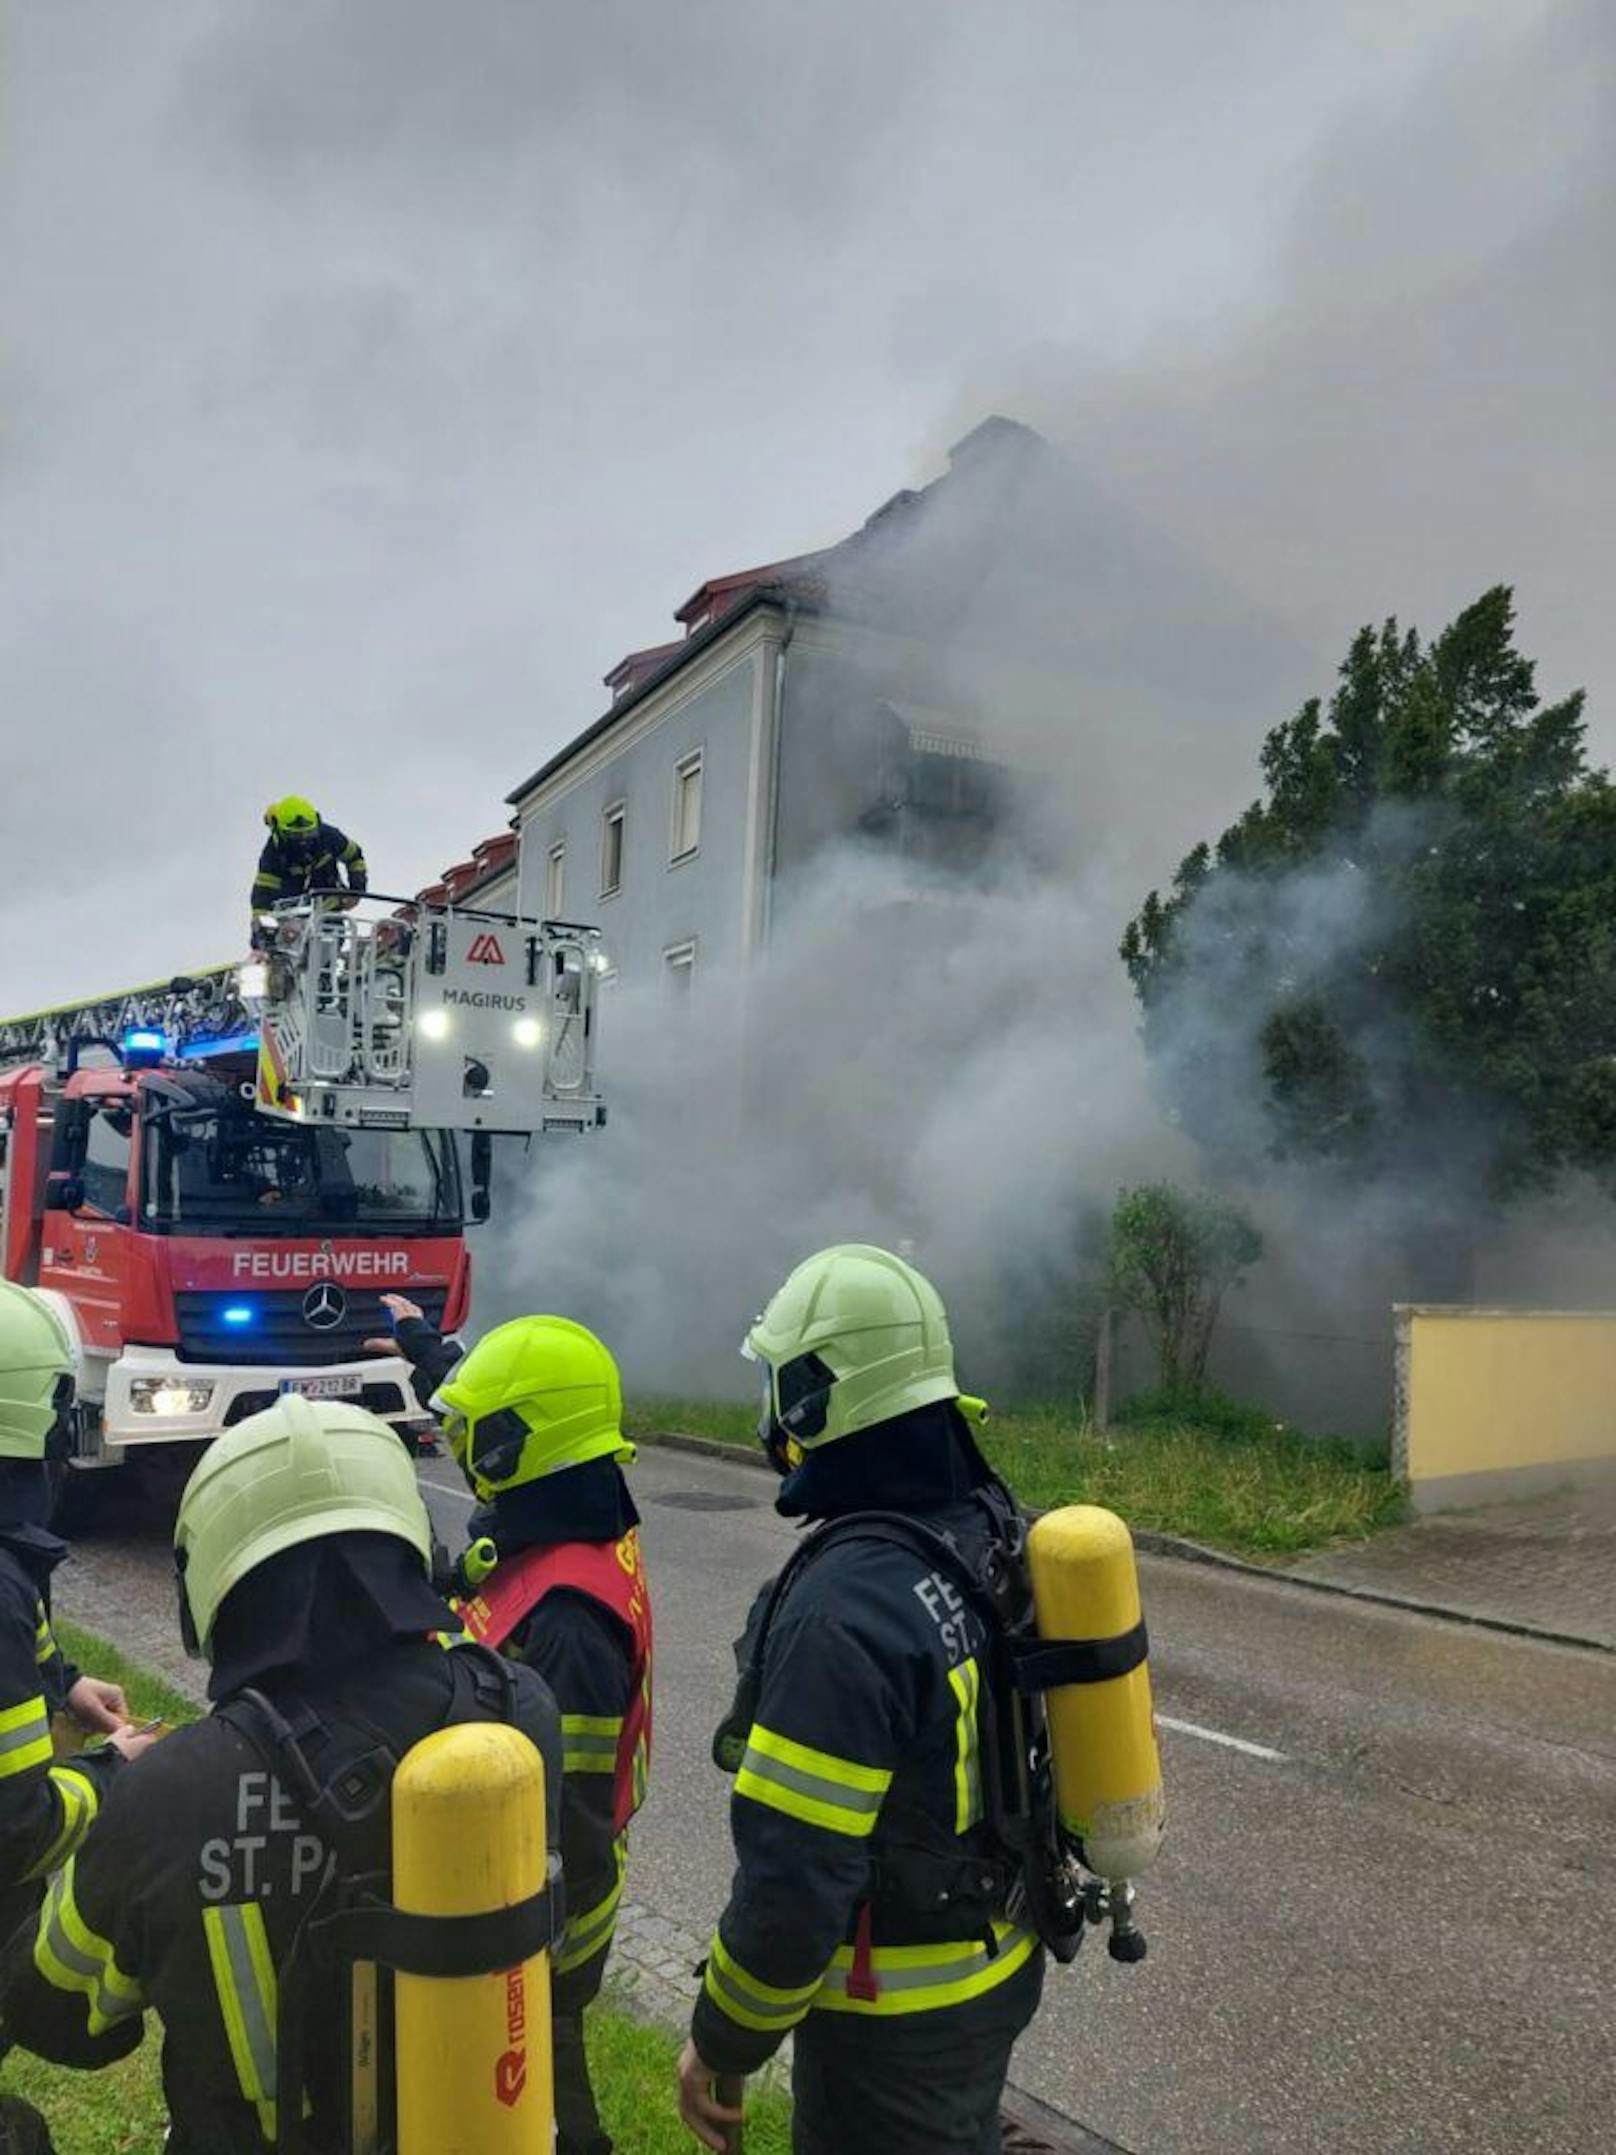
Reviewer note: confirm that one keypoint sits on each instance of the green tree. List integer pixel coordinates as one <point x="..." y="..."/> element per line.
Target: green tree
<point x="1174" y="1255"/>
<point x="1407" y="946"/>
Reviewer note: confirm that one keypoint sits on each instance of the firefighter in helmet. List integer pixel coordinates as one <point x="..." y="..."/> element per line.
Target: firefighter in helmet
<point x="46" y="1808"/>
<point x="303" y="854"/>
<point x="47" y="1805"/>
<point x="870" y="1915"/>
<point x="554" y="1578"/>
<point x="302" y="1551"/>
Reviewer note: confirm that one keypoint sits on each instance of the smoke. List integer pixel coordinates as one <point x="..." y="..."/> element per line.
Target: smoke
<point x="375" y="373"/>
<point x="1414" y="409"/>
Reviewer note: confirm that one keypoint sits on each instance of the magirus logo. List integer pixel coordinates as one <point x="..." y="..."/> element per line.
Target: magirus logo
<point x="485" y="950"/>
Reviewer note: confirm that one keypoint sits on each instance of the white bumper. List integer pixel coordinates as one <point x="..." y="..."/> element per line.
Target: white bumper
<point x="154" y="1398"/>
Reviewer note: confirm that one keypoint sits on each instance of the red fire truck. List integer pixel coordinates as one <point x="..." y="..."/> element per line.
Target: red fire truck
<point x="217" y="1178"/>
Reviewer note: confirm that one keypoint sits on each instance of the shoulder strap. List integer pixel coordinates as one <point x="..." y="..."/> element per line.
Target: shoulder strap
<point x="355" y="1770"/>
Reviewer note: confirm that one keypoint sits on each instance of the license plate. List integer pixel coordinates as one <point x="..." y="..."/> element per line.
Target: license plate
<point x="324" y="1387"/>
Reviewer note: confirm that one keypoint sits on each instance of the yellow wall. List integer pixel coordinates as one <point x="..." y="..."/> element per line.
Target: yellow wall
<point x="1494" y="1402"/>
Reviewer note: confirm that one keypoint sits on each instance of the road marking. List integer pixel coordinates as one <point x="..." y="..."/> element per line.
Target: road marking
<point x="1214" y="1735"/>
<point x="1182" y="1728"/>
<point x="462" y="1496"/>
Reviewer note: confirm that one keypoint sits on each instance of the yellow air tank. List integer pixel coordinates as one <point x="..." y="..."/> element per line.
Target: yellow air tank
<point x="1108" y="1783"/>
<point x="473" y="2052"/>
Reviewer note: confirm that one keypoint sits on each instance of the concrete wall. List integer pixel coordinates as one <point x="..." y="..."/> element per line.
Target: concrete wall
<point x="1495" y="1403"/>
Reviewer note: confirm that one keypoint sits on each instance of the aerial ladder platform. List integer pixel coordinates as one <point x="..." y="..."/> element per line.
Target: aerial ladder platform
<point x="372" y="1012"/>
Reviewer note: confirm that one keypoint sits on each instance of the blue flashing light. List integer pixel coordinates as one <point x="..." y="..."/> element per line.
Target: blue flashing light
<point x="223" y="1044"/>
<point x="144" y="1044"/>
<point x="240" y="1313"/>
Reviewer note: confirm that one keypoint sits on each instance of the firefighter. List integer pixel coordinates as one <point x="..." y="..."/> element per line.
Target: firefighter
<point x="303" y="854"/>
<point x="302" y="1548"/>
<point x="869" y="1911"/>
<point x="46" y="1807"/>
<point x="554" y="1578"/>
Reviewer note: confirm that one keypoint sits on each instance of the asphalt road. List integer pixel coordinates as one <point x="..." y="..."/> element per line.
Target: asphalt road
<point x="1385" y="1918"/>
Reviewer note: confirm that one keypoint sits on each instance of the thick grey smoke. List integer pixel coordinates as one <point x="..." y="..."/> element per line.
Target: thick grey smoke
<point x="1129" y="624"/>
<point x="376" y="372"/>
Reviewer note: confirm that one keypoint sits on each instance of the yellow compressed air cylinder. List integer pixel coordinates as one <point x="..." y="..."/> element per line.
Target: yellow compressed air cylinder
<point x="1102" y="1736"/>
<point x="474" y="2067"/>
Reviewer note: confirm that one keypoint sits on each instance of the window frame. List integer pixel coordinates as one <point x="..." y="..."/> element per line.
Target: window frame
<point x="691" y="765"/>
<point x="555" y="880"/>
<point x="615" y="812"/>
<point x="679" y="965"/>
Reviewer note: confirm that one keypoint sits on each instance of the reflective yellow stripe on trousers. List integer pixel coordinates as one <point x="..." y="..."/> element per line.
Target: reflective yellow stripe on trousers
<point x="244" y="1977"/>
<point x="590" y="1931"/>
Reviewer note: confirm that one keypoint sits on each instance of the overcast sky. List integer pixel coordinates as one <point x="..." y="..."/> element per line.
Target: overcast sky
<point x="374" y="373"/>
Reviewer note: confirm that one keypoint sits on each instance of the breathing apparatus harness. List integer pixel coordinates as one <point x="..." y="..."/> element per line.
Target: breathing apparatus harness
<point x="1031" y="1875"/>
<point x="338" y="1779"/>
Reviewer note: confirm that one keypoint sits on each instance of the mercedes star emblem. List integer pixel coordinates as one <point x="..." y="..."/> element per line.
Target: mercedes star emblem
<point x="324" y="1307"/>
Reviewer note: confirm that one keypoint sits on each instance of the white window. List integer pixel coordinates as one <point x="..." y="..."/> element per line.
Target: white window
<point x="686" y="807"/>
<point x="611" y="849"/>
<point x="679" y="968"/>
<point x="555" y="876"/>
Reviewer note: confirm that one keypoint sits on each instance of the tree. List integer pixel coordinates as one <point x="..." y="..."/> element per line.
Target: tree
<point x="1174" y="1255"/>
<point x="1407" y="946"/>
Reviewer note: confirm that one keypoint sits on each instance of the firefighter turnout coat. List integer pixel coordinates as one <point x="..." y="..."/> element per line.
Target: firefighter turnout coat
<point x="283" y="873"/>
<point x="580" y="1614"/>
<point x="868" y="1883"/>
<point x="46" y="1806"/>
<point x="186" y="1899"/>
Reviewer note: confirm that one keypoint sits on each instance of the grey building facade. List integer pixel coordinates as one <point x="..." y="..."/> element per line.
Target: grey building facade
<point x="804" y="707"/>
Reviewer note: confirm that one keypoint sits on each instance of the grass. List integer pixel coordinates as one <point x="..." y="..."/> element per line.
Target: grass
<point x="1206" y="1469"/>
<point x="148" y="1695"/>
<point x="121" y="2112"/>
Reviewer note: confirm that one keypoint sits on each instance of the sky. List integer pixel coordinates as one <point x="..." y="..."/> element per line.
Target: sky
<point x="374" y="373"/>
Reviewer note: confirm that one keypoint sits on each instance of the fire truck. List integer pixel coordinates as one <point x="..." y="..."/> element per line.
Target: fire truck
<point x="215" y="1179"/>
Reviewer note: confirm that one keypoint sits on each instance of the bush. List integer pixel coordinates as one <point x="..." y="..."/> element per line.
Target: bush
<point x="1174" y="1255"/>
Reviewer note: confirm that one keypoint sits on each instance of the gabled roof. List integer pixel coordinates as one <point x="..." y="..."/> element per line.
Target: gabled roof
<point x="716" y="597"/>
<point x="853" y="576"/>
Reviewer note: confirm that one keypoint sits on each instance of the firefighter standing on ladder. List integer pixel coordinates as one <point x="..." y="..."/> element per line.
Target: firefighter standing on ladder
<point x="302" y="1549"/>
<point x="869" y="1914"/>
<point x="554" y="1578"/>
<point x="303" y="854"/>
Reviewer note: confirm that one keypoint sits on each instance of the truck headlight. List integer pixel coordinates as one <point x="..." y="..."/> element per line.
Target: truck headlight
<point x="169" y="1396"/>
<point x="528" y="1032"/>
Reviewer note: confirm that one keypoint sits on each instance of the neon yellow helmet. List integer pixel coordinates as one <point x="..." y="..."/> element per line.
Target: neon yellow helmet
<point x="854" y="1337"/>
<point x="533" y="1397"/>
<point x="298" y="1471"/>
<point x="293" y="817"/>
<point x="36" y="1373"/>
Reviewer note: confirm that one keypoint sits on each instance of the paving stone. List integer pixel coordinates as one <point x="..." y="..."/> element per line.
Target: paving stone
<point x="1548" y="1562"/>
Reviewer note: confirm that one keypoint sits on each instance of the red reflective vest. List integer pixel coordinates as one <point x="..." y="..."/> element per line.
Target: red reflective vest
<point x="612" y="1573"/>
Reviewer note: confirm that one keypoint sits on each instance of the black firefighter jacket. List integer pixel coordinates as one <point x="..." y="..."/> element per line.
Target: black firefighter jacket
<point x="186" y="1898"/>
<point x="285" y="873"/>
<point x="46" y="1807"/>
<point x="864" y="1877"/>
<point x="585" y="1656"/>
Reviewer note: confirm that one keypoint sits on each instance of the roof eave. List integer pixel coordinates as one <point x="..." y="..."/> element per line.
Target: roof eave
<point x="775" y="595"/>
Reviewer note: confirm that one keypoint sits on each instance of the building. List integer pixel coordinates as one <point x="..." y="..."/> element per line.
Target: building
<point x="806" y="703"/>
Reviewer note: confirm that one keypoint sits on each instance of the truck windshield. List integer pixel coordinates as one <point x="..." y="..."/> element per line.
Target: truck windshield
<point x="232" y="1170"/>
